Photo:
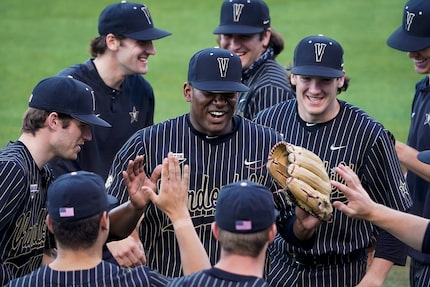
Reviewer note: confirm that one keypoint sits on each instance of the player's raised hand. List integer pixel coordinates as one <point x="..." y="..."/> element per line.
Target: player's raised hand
<point x="359" y="203"/>
<point x="137" y="181"/>
<point x="172" y="197"/>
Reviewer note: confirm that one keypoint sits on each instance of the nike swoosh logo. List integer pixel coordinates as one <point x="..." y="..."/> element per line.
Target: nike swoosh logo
<point x="250" y="162"/>
<point x="265" y="22"/>
<point x="333" y="147"/>
<point x="310" y="124"/>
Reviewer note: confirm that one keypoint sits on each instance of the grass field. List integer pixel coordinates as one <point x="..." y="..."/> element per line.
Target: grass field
<point x="41" y="37"/>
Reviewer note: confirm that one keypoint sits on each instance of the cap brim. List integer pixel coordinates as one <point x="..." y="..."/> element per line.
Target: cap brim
<point x="315" y="71"/>
<point x="221" y="86"/>
<point x="92" y="120"/>
<point x="424" y="156"/>
<point x="148" y="34"/>
<point x="403" y="41"/>
<point x="237" y="29"/>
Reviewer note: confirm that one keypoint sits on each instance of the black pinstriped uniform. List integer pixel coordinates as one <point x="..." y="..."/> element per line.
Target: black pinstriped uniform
<point x="103" y="275"/>
<point x="268" y="85"/>
<point x="419" y="139"/>
<point x="127" y="110"/>
<point x="217" y="277"/>
<point x="214" y="162"/>
<point x="23" y="233"/>
<point x="358" y="141"/>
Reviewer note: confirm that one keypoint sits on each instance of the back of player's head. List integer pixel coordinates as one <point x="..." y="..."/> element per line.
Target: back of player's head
<point x="67" y="96"/>
<point x="78" y="195"/>
<point x="243" y="17"/>
<point x="131" y="20"/>
<point x="414" y="34"/>
<point x="318" y="56"/>
<point x="245" y="207"/>
<point x="216" y="70"/>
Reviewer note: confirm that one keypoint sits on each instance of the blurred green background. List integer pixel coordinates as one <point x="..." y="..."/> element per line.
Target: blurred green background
<point x="38" y="38"/>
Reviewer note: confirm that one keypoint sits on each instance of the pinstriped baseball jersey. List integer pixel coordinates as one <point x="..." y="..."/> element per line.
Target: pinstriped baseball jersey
<point x="22" y="212"/>
<point x="213" y="161"/>
<point x="217" y="277"/>
<point x="268" y="85"/>
<point x="355" y="139"/>
<point x="103" y="275"/>
<point x="127" y="110"/>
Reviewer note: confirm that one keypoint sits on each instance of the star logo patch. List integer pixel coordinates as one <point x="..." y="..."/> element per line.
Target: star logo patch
<point x="134" y="115"/>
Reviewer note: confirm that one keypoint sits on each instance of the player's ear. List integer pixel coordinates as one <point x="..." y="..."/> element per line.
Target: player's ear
<point x="187" y="91"/>
<point x="341" y="81"/>
<point x="52" y="120"/>
<point x="112" y="42"/>
<point x="104" y="221"/>
<point x="293" y="79"/>
<point x="272" y="233"/>
<point x="49" y="223"/>
<point x="215" y="230"/>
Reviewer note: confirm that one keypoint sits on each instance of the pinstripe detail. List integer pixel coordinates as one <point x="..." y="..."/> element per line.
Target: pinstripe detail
<point x="22" y="213"/>
<point x="267" y="86"/>
<point x="217" y="277"/>
<point x="359" y="142"/>
<point x="213" y="163"/>
<point x="103" y="275"/>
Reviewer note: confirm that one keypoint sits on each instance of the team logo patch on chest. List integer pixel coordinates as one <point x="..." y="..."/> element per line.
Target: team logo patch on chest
<point x="427" y="120"/>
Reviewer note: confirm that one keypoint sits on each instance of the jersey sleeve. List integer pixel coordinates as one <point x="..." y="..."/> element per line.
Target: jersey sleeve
<point x="12" y="193"/>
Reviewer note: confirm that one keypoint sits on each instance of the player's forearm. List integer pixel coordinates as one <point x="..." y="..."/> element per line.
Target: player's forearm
<point x="193" y="255"/>
<point x="376" y="273"/>
<point x="408" y="228"/>
<point x="123" y="219"/>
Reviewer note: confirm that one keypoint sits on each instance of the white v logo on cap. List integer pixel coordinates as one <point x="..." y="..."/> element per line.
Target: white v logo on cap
<point x="409" y="18"/>
<point x="223" y="66"/>
<point x="237" y="11"/>
<point x="319" y="51"/>
<point x="147" y="15"/>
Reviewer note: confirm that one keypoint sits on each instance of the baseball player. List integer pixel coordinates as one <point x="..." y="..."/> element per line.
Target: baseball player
<point x="245" y="29"/>
<point x="123" y="97"/>
<point x="57" y="122"/>
<point x="310" y="252"/>
<point x="413" y="37"/>
<point x="244" y="225"/>
<point x="77" y="216"/>
<point x="219" y="147"/>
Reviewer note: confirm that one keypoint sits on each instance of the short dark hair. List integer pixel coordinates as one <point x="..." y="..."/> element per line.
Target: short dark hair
<point x="34" y="119"/>
<point x="98" y="45"/>
<point x="78" y="234"/>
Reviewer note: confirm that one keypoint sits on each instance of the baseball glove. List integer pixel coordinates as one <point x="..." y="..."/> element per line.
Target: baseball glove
<point x="302" y="175"/>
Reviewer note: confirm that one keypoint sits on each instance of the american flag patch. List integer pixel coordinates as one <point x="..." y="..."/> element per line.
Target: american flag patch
<point x="243" y="225"/>
<point x="67" y="212"/>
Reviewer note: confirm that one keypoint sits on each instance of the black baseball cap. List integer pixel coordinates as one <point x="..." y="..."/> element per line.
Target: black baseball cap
<point x="243" y="17"/>
<point x="318" y="56"/>
<point x="216" y="70"/>
<point x="414" y="34"/>
<point x="68" y="96"/>
<point x="245" y="207"/>
<point x="78" y="195"/>
<point x="131" y="20"/>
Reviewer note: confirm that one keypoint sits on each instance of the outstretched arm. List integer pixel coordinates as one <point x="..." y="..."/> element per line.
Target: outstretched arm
<point x="125" y="217"/>
<point x="172" y="199"/>
<point x="407" y="227"/>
